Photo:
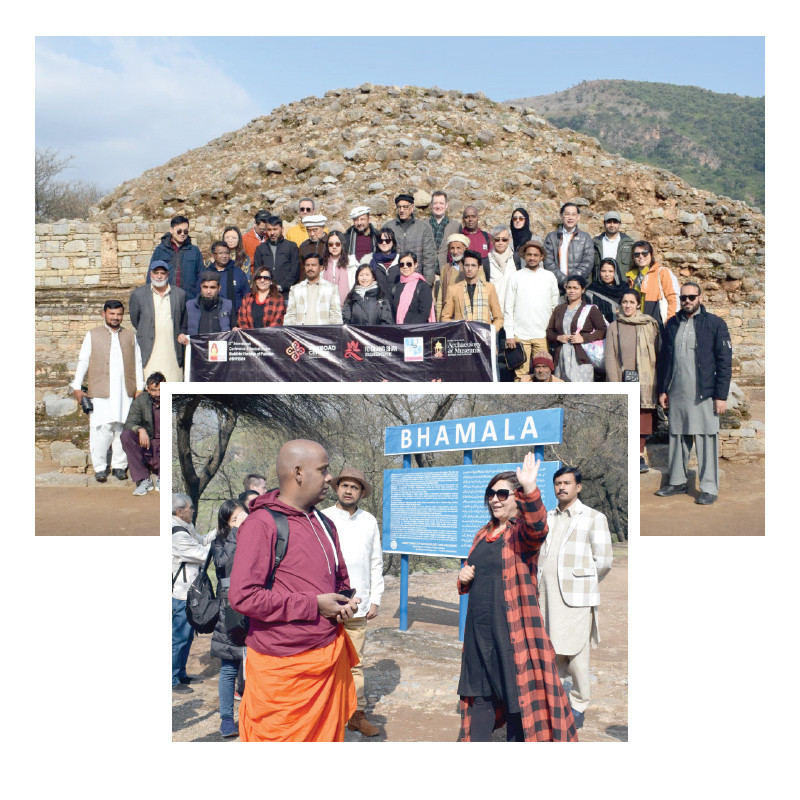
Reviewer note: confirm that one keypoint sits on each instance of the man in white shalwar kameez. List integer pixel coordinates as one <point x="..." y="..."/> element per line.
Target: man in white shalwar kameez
<point x="112" y="363"/>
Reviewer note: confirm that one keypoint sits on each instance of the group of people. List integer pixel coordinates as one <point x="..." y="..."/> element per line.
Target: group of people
<point x="532" y="578"/>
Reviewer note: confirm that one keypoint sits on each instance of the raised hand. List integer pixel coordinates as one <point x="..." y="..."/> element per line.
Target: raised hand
<point x="526" y="474"/>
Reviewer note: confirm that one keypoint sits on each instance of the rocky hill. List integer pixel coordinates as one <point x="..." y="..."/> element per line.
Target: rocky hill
<point x="715" y="141"/>
<point x="364" y="145"/>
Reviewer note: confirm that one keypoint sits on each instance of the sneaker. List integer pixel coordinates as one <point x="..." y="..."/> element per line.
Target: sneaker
<point x="181" y="688"/>
<point x="643" y="465"/>
<point x="228" y="728"/>
<point x="102" y="476"/>
<point x="237" y="695"/>
<point x="120" y="474"/>
<point x="578" y="717"/>
<point x="143" y="487"/>
<point x="706" y="499"/>
<point x="156" y="484"/>
<point x="190" y="679"/>
<point x="359" y="722"/>
<point x="671" y="489"/>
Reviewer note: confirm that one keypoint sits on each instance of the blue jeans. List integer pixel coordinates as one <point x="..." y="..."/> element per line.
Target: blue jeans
<point x="182" y="635"/>
<point x="227" y="680"/>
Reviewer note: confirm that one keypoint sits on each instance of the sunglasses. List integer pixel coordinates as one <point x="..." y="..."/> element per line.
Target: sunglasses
<point x="306" y="210"/>
<point x="641" y="254"/>
<point x="685" y="297"/>
<point x="406" y="263"/>
<point x="385" y="241"/>
<point x="501" y="238"/>
<point x="502" y="494"/>
<point x="518" y="219"/>
<point x="181" y="230"/>
<point x="263" y="278"/>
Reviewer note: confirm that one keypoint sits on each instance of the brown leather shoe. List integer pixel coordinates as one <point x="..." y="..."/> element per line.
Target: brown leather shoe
<point x="359" y="722"/>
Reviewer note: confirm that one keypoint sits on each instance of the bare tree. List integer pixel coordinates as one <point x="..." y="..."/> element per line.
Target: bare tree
<point x="56" y="199"/>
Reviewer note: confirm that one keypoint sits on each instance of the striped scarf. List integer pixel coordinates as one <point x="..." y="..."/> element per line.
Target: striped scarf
<point x="479" y="310"/>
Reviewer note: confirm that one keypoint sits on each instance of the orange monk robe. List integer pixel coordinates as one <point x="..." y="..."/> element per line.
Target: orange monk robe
<point x="307" y="697"/>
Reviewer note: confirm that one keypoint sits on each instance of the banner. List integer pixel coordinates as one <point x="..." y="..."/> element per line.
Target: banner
<point x="437" y="351"/>
<point x="436" y="511"/>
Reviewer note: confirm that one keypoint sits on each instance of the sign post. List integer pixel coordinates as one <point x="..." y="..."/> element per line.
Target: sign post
<point x="438" y="510"/>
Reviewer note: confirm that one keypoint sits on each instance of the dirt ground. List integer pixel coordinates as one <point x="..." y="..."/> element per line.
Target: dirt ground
<point x="739" y="511"/>
<point x="411" y="676"/>
<point x="86" y="510"/>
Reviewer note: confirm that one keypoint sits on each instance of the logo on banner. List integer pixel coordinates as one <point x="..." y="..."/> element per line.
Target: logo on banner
<point x="295" y="350"/>
<point x="412" y="348"/>
<point x="217" y="351"/>
<point x="439" y="347"/>
<point x="353" y="350"/>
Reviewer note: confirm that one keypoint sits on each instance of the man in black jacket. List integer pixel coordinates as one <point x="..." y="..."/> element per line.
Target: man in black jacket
<point x="694" y="376"/>
<point x="141" y="438"/>
<point x="280" y="255"/>
<point x="184" y="259"/>
<point x="613" y="244"/>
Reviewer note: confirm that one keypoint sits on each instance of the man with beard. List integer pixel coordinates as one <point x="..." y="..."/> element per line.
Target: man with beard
<point x="414" y="235"/>
<point x="299" y="233"/>
<point x="361" y="238"/>
<point x="183" y="259"/>
<point x="613" y="244"/>
<point x="233" y="283"/>
<point x="575" y="557"/>
<point x="158" y="312"/>
<point x="280" y="255"/>
<point x="694" y="377"/>
<point x="111" y="361"/>
<point x="317" y="236"/>
<point x="299" y="684"/>
<point x="209" y="312"/>
<point x="360" y="540"/>
<point x="141" y="438"/>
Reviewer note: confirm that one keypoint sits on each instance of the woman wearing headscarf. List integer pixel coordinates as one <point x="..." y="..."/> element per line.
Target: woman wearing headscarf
<point x="607" y="291"/>
<point x="412" y="298"/>
<point x="632" y="342"/>
<point x="520" y="227"/>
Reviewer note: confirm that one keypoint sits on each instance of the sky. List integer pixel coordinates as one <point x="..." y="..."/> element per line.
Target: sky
<point x="121" y="105"/>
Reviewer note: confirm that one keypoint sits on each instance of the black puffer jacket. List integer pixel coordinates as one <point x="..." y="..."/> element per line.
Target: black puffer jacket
<point x="222" y="551"/>
<point x="367" y="310"/>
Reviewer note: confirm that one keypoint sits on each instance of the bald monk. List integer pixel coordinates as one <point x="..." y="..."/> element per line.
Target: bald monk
<point x="299" y="687"/>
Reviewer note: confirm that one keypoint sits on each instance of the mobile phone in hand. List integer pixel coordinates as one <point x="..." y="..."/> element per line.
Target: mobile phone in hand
<point x="348" y="593"/>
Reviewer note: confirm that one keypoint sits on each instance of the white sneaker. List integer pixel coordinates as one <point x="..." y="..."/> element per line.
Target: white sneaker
<point x="143" y="487"/>
<point x="156" y="484"/>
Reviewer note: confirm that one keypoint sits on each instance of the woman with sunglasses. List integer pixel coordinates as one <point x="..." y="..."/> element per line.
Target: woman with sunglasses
<point x="501" y="260"/>
<point x="336" y="268"/>
<point x="508" y="665"/>
<point x="366" y="304"/>
<point x="384" y="261"/>
<point x="412" y="298"/>
<point x="520" y="227"/>
<point x="264" y="306"/>
<point x="632" y="342"/>
<point x="657" y="285"/>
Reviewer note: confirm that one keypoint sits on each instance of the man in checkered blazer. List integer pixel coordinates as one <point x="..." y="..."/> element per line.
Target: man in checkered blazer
<point x="575" y="557"/>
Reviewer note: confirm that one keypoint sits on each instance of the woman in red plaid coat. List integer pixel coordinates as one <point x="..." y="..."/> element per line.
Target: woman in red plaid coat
<point x="508" y="665"/>
<point x="264" y="306"/>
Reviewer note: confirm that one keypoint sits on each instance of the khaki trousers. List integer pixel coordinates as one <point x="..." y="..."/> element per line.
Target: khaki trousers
<point x="577" y="667"/>
<point x="356" y="629"/>
<point x="532" y="348"/>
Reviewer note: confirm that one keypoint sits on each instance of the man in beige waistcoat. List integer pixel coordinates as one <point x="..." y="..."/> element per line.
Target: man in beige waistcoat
<point x="111" y="362"/>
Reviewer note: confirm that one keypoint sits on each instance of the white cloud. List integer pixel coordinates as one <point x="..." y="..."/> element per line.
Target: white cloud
<point x="132" y="104"/>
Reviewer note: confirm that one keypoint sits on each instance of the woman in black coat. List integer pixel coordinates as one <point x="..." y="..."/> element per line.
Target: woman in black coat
<point x="412" y="298"/>
<point x="231" y="514"/>
<point x="366" y="303"/>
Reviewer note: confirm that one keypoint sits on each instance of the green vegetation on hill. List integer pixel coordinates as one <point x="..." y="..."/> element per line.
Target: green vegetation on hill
<point x="713" y="141"/>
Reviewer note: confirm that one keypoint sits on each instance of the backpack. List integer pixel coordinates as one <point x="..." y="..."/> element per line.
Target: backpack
<point x="202" y="607"/>
<point x="237" y="625"/>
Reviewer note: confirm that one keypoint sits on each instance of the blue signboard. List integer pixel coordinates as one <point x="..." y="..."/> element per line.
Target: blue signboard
<point x="499" y="430"/>
<point x="437" y="511"/>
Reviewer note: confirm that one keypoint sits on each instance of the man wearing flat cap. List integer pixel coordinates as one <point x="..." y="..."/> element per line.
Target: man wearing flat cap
<point x="361" y="238"/>
<point x="360" y="541"/>
<point x="414" y="235"/>
<point x="613" y="244"/>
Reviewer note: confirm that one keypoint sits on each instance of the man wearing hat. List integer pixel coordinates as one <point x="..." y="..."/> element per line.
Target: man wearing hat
<point x="361" y="238"/>
<point x="257" y="234"/>
<point x="299" y="233"/>
<point x="542" y="366"/>
<point x="158" y="312"/>
<point x="317" y="236"/>
<point x="613" y="244"/>
<point x="414" y="235"/>
<point x="531" y="296"/>
<point x="360" y="541"/>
